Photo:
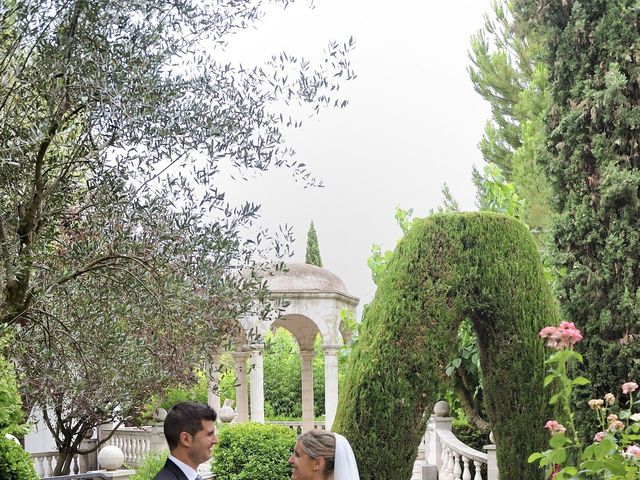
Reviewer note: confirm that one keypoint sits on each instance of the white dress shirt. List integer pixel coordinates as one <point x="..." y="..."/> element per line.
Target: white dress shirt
<point x="189" y="472"/>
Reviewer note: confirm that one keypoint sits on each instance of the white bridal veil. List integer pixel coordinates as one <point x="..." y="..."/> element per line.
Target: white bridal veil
<point x="344" y="467"/>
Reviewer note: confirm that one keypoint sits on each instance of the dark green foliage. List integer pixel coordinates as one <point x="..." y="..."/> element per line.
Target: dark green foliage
<point x="151" y="465"/>
<point x="450" y="266"/>
<point x="313" y="250"/>
<point x="593" y="127"/>
<point x="253" y="451"/>
<point x="15" y="463"/>
<point x="470" y="435"/>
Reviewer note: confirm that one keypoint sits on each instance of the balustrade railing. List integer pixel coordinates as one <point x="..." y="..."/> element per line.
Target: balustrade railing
<point x="136" y="442"/>
<point x="441" y="454"/>
<point x="45" y="462"/>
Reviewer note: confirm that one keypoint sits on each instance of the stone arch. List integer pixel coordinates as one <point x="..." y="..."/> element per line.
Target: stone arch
<point x="310" y="300"/>
<point x="303" y="329"/>
<point x="481" y="266"/>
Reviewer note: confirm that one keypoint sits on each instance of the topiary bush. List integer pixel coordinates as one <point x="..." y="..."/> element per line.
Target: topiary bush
<point x="253" y="451"/>
<point x="15" y="463"/>
<point x="151" y="464"/>
<point x="483" y="266"/>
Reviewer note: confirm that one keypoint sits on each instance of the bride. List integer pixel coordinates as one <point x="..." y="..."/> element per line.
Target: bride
<point x="322" y="455"/>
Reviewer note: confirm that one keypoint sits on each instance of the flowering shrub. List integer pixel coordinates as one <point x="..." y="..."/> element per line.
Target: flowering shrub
<point x="614" y="453"/>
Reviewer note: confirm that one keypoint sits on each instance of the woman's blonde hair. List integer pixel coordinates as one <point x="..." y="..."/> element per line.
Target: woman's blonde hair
<point x="320" y="443"/>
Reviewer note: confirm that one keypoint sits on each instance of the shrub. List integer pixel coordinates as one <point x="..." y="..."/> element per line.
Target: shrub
<point x="151" y="465"/>
<point x="11" y="415"/>
<point x="448" y="267"/>
<point x="253" y="451"/>
<point x="470" y="435"/>
<point x="15" y="463"/>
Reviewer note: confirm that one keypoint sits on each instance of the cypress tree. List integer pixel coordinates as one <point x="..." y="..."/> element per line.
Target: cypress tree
<point x="451" y="266"/>
<point x="593" y="123"/>
<point x="313" y="250"/>
<point x="508" y="73"/>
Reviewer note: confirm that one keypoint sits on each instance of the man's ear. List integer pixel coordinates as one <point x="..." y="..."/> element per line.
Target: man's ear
<point x="185" y="439"/>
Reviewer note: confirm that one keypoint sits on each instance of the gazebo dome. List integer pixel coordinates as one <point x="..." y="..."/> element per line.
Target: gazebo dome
<point x="302" y="277"/>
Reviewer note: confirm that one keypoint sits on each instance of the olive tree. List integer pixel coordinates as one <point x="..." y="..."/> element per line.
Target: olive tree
<point x="116" y="241"/>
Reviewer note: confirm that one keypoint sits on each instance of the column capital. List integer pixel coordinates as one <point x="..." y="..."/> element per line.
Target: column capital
<point x="306" y="354"/>
<point x="239" y="355"/>
<point x="330" y="349"/>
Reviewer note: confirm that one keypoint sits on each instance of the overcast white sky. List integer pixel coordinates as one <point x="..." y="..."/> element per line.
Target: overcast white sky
<point x="413" y="123"/>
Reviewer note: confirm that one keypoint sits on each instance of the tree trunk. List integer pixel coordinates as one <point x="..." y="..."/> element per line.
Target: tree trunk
<point x="63" y="466"/>
<point x="470" y="407"/>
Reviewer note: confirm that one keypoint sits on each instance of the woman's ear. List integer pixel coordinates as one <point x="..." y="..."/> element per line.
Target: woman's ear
<point x="319" y="464"/>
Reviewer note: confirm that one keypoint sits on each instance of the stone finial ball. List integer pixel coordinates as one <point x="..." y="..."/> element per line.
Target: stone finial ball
<point x="226" y="414"/>
<point x="111" y="457"/>
<point x="159" y="414"/>
<point x="441" y="409"/>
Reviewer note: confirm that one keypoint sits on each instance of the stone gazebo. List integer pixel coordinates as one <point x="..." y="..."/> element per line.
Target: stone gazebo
<point x="314" y="298"/>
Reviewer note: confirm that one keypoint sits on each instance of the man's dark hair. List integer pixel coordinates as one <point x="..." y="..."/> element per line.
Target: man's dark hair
<point x="186" y="417"/>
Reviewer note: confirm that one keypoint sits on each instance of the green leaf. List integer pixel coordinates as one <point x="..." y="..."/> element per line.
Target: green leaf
<point x="580" y="381"/>
<point x="548" y="379"/>
<point x="558" y="440"/>
<point x="534" y="456"/>
<point x="559" y="456"/>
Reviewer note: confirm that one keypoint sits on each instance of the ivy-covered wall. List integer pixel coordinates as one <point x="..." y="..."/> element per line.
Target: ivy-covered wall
<point x="483" y="266"/>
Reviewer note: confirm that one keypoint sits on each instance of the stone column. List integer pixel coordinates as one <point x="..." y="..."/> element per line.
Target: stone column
<point x="213" y="382"/>
<point x="443" y="422"/>
<point x="308" y="416"/>
<point x="242" y="400"/>
<point x="330" y="384"/>
<point x="257" y="384"/>
<point x="492" y="460"/>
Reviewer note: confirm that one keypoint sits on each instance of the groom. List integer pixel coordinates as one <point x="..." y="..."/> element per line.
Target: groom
<point x="190" y="431"/>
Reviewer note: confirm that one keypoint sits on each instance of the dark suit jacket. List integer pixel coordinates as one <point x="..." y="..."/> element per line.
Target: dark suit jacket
<point x="170" y="472"/>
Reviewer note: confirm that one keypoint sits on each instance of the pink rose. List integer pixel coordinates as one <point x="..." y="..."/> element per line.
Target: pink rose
<point x="598" y="437"/>
<point x="609" y="398"/>
<point x="555" y="427"/>
<point x="547" y="331"/>
<point x="564" y="336"/>
<point x="616" y="426"/>
<point x="629" y="387"/>
<point x="633" y="450"/>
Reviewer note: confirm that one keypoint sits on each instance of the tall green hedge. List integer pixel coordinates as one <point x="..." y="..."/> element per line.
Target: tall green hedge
<point x="593" y="128"/>
<point x="483" y="266"/>
<point x="253" y="451"/>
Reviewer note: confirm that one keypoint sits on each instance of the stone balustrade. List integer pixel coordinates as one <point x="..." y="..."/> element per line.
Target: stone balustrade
<point x="443" y="456"/>
<point x="458" y="460"/>
<point x="136" y="442"/>
<point x="45" y="462"/>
